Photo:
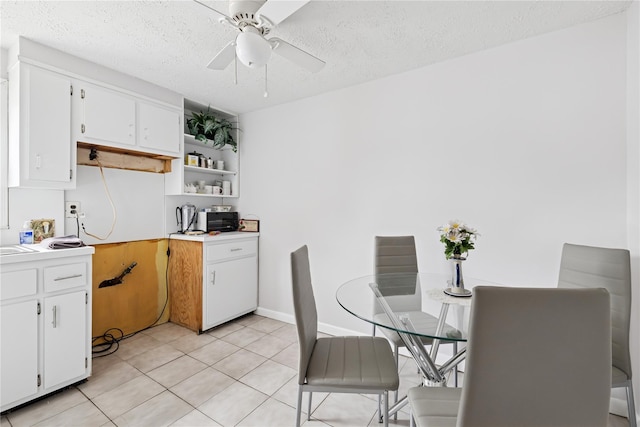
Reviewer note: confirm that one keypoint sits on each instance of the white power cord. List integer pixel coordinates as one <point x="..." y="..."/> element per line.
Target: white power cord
<point x="113" y="208"/>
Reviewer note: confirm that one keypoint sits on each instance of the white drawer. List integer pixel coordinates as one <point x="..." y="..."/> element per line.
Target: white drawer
<point x="19" y="283"/>
<point x="241" y="248"/>
<point x="65" y="276"/>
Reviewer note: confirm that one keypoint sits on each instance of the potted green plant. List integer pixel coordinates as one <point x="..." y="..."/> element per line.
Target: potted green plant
<point x="205" y="126"/>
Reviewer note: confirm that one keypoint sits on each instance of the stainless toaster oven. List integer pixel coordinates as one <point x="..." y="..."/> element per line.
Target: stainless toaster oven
<point x="218" y="221"/>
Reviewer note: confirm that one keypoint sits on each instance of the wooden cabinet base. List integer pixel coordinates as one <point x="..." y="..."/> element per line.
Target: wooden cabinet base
<point x="185" y="283"/>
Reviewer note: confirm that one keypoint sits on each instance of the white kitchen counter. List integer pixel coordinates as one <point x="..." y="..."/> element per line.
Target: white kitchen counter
<point x="41" y="253"/>
<point x="206" y="238"/>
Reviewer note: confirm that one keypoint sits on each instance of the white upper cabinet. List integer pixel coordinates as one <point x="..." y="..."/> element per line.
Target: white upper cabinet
<point x="159" y="128"/>
<point x="111" y="118"/>
<point x="107" y="116"/>
<point x="40" y="154"/>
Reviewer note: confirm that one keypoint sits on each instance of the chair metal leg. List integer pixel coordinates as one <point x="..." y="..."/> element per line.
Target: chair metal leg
<point x="396" y="353"/>
<point x="309" y="409"/>
<point x="412" y="422"/>
<point x="386" y="408"/>
<point x="299" y="406"/>
<point x="455" y="371"/>
<point x="631" y="407"/>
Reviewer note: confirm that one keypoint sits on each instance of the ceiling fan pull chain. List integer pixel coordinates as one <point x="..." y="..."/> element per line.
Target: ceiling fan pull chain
<point x="266" y="92"/>
<point x="235" y="63"/>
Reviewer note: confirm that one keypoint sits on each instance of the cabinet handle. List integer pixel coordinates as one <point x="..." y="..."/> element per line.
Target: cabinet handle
<point x="55" y="314"/>
<point x="38" y="162"/>
<point x="213" y="277"/>
<point x="131" y="130"/>
<point x="67" y="277"/>
<point x="236" y="249"/>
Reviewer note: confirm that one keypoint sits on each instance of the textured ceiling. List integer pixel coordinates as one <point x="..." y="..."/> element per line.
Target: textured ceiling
<point x="169" y="43"/>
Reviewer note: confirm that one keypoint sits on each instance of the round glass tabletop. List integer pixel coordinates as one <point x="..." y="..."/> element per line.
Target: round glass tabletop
<point x="415" y="304"/>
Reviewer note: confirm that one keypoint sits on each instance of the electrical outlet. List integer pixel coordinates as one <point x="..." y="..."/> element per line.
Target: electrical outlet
<point x="71" y="209"/>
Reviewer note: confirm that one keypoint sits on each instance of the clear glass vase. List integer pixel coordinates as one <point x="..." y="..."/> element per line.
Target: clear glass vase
<point x="457" y="280"/>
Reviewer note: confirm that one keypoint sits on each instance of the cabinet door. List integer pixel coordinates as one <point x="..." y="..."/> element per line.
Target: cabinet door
<point x="230" y="289"/>
<point x="109" y="117"/>
<point x="64" y="337"/>
<point x="159" y="128"/>
<point x="45" y="129"/>
<point x="19" y="351"/>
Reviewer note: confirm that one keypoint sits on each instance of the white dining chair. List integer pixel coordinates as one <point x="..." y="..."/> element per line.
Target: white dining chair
<point x="536" y="357"/>
<point x="397" y="254"/>
<point x="352" y="364"/>
<point x="590" y="266"/>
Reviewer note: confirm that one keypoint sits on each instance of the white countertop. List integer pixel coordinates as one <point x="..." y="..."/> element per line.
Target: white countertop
<point x="230" y="235"/>
<point x="42" y="253"/>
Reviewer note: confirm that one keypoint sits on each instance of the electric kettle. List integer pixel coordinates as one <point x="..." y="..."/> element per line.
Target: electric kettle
<point x="186" y="217"/>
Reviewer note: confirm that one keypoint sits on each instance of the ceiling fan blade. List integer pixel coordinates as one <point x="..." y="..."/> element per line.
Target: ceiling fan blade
<point x="221" y="15"/>
<point x="224" y="57"/>
<point x="277" y="11"/>
<point x="296" y="55"/>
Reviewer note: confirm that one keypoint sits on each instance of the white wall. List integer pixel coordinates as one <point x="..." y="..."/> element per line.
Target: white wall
<point x="633" y="179"/>
<point x="525" y="142"/>
<point x="138" y="199"/>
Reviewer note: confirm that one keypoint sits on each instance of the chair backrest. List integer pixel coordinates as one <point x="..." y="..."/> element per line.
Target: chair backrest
<point x="590" y="267"/>
<point x="537" y="357"/>
<point x="395" y="254"/>
<point x="304" y="305"/>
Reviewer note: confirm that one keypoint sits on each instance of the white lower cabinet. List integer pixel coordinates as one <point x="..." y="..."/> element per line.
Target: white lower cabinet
<point x="19" y="344"/>
<point x="64" y="337"/>
<point x="212" y="282"/>
<point x="45" y="311"/>
<point x="230" y="289"/>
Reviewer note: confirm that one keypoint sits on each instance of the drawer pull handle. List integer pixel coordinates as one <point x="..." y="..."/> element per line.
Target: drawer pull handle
<point x="213" y="277"/>
<point x="67" y="277"/>
<point x="55" y="314"/>
<point x="236" y="249"/>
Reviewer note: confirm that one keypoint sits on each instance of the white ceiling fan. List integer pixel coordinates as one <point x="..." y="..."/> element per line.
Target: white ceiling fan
<point x="254" y="20"/>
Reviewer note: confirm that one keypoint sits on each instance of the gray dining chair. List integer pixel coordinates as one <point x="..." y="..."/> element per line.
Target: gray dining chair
<point x="591" y="266"/>
<point x="397" y="254"/>
<point x="352" y="364"/>
<point x="536" y="357"/>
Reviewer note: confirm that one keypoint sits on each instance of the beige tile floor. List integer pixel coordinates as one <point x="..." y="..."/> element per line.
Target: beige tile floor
<point x="242" y="373"/>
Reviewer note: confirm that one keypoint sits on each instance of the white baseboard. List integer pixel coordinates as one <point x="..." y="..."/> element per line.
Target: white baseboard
<point x="618" y="406"/>
<point x="289" y="318"/>
<point x="276" y="315"/>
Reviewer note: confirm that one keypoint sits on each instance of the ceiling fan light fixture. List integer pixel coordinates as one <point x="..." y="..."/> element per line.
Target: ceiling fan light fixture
<point x="252" y="49"/>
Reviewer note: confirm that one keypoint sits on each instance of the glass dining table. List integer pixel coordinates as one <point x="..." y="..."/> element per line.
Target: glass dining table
<point x="416" y="307"/>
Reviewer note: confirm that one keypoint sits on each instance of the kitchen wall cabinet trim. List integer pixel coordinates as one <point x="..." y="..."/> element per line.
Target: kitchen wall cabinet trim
<point x="46" y="331"/>
<point x="86" y="78"/>
<point x="212" y="281"/>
